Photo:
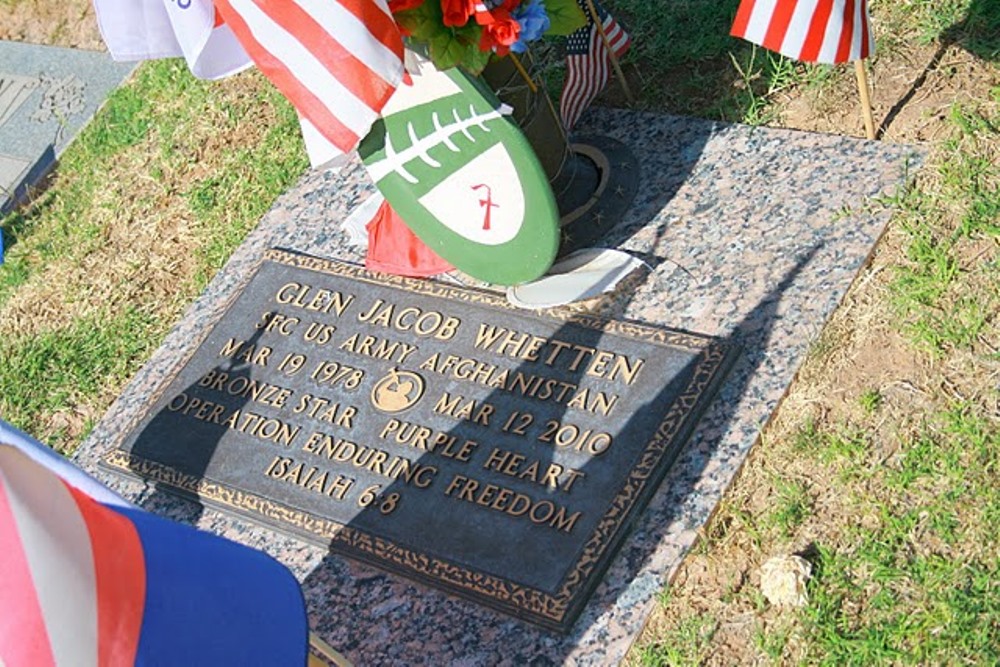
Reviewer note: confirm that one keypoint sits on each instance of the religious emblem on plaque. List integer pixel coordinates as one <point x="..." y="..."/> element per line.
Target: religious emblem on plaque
<point x="397" y="391"/>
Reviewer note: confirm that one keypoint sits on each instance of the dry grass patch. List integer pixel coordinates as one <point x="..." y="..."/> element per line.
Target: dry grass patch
<point x="140" y="237"/>
<point x="69" y="23"/>
<point x="147" y="204"/>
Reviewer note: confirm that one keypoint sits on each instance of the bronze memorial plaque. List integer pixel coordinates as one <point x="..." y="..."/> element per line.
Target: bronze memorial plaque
<point x="431" y="430"/>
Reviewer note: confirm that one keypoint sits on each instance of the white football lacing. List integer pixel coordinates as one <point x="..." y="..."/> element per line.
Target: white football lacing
<point x="395" y="161"/>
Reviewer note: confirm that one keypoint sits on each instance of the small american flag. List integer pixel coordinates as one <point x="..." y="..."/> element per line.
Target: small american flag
<point x="588" y="62"/>
<point x="815" y="31"/>
<point x="337" y="61"/>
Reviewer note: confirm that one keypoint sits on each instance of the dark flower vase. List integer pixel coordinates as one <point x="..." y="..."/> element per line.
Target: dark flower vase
<point x="569" y="172"/>
<point x="579" y="173"/>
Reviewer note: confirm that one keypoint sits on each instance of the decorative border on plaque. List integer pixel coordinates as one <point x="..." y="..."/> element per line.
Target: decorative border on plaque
<point x="376" y="548"/>
<point x="546" y="609"/>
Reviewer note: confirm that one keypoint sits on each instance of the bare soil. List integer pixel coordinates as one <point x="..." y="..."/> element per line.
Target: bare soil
<point x="69" y="23"/>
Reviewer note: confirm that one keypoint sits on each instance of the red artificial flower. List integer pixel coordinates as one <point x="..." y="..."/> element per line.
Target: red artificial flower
<point x="500" y="34"/>
<point x="499" y="13"/>
<point x="457" y="12"/>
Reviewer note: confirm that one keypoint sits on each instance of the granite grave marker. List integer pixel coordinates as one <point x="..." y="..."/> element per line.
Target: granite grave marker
<point x="752" y="234"/>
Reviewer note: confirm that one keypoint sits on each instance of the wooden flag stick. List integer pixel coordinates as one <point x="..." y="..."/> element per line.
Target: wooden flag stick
<point x="611" y="53"/>
<point x="329" y="654"/>
<point x="523" y="72"/>
<point x="866" y="102"/>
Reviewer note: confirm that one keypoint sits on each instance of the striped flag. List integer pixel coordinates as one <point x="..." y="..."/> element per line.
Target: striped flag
<point x="814" y="31"/>
<point x="84" y="583"/>
<point x="146" y="29"/>
<point x="49" y="458"/>
<point x="337" y="61"/>
<point x="588" y="63"/>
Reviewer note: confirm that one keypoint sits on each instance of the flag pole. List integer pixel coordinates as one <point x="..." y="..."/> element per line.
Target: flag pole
<point x="611" y="53"/>
<point x="866" y="102"/>
<point x="327" y="652"/>
<point x="524" y="73"/>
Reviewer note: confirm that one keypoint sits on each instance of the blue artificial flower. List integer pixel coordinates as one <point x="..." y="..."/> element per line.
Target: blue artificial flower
<point x="534" y="21"/>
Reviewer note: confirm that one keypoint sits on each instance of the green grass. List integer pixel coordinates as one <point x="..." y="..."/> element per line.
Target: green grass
<point x="164" y="108"/>
<point x="846" y="448"/>
<point x="945" y="294"/>
<point x="870" y="401"/>
<point x="762" y="75"/>
<point x="791" y="506"/>
<point x="972" y="24"/>
<point x="672" y="34"/>
<point x="772" y="642"/>
<point x="63" y="368"/>
<point x="916" y="609"/>
<point x="919" y="584"/>
<point x="681" y="646"/>
<point x="228" y="204"/>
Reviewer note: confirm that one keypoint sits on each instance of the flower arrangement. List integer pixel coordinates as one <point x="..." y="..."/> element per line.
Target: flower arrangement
<point x="468" y="33"/>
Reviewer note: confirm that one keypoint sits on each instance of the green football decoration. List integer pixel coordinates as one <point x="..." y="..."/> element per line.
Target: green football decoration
<point x="464" y="179"/>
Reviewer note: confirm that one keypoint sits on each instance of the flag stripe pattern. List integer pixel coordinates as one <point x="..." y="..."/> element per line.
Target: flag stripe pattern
<point x="120" y="572"/>
<point x="143" y="29"/>
<point x="48" y="458"/>
<point x="84" y="583"/>
<point x="817" y="31"/>
<point x="55" y="544"/>
<point x="588" y="63"/>
<point x="17" y="592"/>
<point x="337" y="61"/>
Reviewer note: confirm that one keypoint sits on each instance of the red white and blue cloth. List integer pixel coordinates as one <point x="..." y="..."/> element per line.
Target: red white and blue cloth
<point x="86" y="579"/>
<point x="588" y="62"/>
<point x="337" y="61"/>
<point x="813" y="31"/>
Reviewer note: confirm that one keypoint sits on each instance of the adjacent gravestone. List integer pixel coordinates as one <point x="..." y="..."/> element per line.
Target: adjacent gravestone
<point x="47" y="94"/>
<point x="426" y="430"/>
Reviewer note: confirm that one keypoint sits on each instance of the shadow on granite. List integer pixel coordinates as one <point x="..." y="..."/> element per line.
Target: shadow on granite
<point x="207" y="435"/>
<point x="511" y="642"/>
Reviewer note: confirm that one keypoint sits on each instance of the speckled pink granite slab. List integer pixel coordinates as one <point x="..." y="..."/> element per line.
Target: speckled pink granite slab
<point x="753" y="234"/>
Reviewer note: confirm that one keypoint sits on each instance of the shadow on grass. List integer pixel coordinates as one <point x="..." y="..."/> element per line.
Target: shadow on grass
<point x="978" y="33"/>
